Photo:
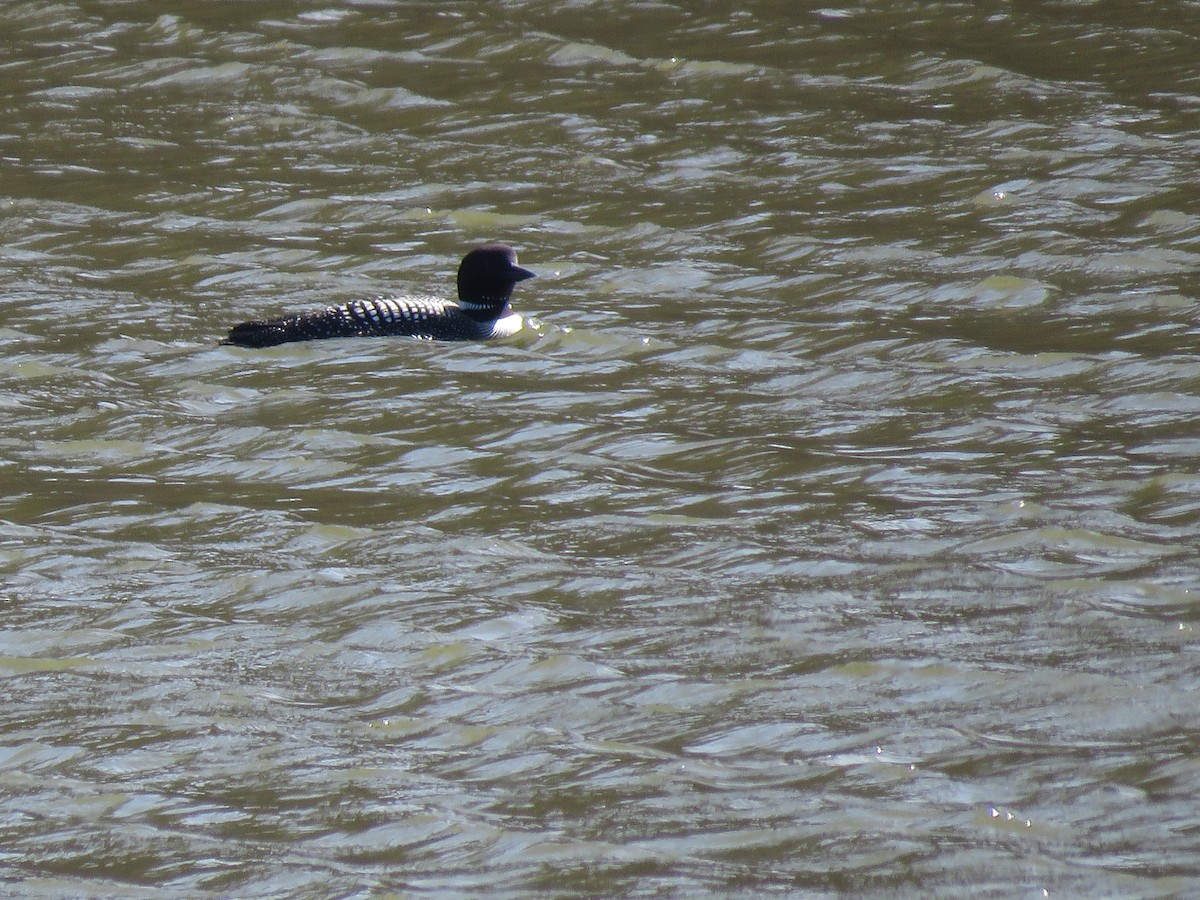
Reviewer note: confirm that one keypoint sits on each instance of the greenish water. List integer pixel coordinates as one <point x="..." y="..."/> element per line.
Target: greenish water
<point x="832" y="530"/>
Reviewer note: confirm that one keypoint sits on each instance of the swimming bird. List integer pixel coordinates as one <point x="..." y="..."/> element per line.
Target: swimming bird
<point x="486" y="278"/>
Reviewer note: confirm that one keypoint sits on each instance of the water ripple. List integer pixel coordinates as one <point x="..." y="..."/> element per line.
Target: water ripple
<point x="828" y="530"/>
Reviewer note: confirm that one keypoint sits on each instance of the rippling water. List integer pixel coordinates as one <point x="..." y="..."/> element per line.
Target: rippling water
<point x="833" y="530"/>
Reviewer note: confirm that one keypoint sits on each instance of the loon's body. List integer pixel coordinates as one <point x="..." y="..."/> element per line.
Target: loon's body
<point x="486" y="279"/>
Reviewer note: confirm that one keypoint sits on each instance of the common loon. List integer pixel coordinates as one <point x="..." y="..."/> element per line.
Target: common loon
<point x="486" y="279"/>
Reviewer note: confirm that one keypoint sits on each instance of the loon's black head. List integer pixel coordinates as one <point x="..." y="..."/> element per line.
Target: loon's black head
<point x="486" y="278"/>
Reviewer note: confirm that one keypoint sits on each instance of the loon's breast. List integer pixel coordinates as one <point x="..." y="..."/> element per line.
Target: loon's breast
<point x="507" y="326"/>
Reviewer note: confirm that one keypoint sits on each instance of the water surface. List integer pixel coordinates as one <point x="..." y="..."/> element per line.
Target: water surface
<point x="831" y="530"/>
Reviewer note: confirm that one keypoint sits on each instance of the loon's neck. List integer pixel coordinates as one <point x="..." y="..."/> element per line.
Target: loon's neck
<point x="485" y="311"/>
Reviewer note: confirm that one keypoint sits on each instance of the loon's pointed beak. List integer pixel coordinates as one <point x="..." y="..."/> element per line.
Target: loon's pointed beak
<point x="519" y="274"/>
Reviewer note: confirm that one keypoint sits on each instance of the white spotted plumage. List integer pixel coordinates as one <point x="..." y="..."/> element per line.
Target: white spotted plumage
<point x="385" y="311"/>
<point x="423" y="317"/>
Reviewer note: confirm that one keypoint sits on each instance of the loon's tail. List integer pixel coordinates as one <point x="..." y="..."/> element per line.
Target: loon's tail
<point x="258" y="334"/>
<point x="325" y="323"/>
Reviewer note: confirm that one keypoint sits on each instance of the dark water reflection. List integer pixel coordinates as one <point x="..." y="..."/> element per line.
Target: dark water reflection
<point x="831" y="531"/>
